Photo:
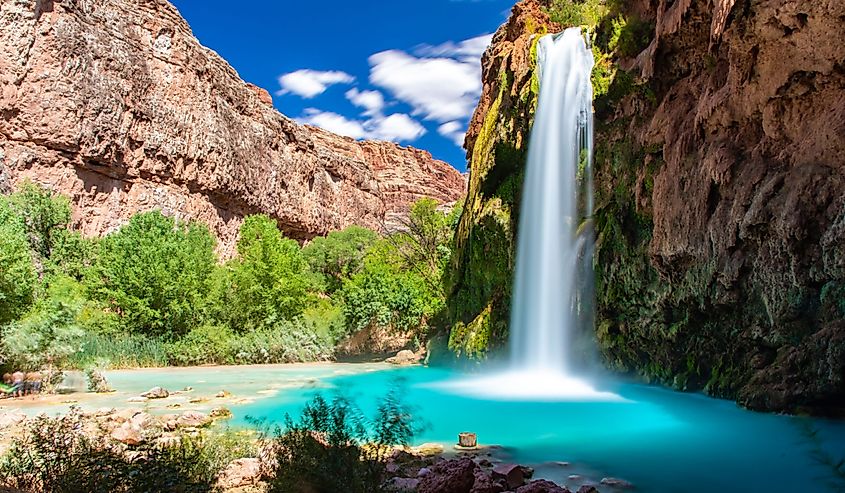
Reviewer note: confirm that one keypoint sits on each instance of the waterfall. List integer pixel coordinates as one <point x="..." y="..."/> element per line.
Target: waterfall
<point x="553" y="285"/>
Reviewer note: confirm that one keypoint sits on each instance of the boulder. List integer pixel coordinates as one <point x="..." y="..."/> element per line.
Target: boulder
<point x="512" y="474"/>
<point x="11" y="419"/>
<point x="484" y="483"/>
<point x="587" y="488"/>
<point x="240" y="473"/>
<point x="617" y="483"/>
<point x="542" y="486"/>
<point x="125" y="414"/>
<point x="401" y="485"/>
<point x="193" y="419"/>
<point x="428" y="449"/>
<point x="127" y="434"/>
<point x="142" y="421"/>
<point x="156" y="393"/>
<point x="220" y="413"/>
<point x="449" y="476"/>
<point x="404" y="357"/>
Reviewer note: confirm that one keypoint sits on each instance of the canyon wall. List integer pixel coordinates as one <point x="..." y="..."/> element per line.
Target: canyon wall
<point x="116" y="104"/>
<point x="720" y="194"/>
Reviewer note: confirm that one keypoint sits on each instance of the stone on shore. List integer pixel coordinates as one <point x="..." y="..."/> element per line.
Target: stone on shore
<point x="512" y="474"/>
<point x="127" y="434"/>
<point x="449" y="476"/>
<point x="542" y="486"/>
<point x="156" y="393"/>
<point x="193" y="419"/>
<point x="405" y="357"/>
<point x="240" y="473"/>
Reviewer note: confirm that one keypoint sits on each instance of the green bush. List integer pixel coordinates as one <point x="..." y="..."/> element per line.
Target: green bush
<point x="331" y="448"/>
<point x="338" y="256"/>
<point x="59" y="455"/>
<point x="154" y="272"/>
<point x="51" y="331"/>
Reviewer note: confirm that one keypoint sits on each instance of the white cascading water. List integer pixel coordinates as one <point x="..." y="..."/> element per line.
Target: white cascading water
<point x="555" y="238"/>
<point x="553" y="288"/>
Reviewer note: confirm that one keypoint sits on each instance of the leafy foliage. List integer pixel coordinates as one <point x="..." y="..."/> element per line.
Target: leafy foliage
<point x="331" y="448"/>
<point x="338" y="256"/>
<point x="57" y="455"/>
<point x="17" y="275"/>
<point x="154" y="272"/>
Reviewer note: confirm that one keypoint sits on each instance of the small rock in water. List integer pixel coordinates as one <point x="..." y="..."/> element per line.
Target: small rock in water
<point x="616" y="483"/>
<point x="188" y="389"/>
<point x="222" y="394"/>
<point x="575" y="477"/>
<point x="220" y="413"/>
<point x="197" y="400"/>
<point x="156" y="393"/>
<point x="137" y="398"/>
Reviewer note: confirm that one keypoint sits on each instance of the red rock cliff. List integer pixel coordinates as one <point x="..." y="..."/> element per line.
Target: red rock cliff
<point x="720" y="195"/>
<point x="116" y="104"/>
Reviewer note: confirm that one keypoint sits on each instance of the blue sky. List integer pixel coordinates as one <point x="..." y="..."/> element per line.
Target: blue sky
<point x="401" y="70"/>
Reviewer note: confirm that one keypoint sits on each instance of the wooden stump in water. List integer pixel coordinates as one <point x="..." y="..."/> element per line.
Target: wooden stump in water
<point x="467" y="440"/>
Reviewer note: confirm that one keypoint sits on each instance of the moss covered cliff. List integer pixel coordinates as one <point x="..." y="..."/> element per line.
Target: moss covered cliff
<point x="720" y="196"/>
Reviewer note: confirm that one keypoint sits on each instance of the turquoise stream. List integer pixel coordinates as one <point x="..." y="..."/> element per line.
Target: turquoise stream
<point x="660" y="440"/>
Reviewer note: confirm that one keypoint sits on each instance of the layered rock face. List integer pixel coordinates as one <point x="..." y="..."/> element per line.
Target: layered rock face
<point x="115" y="104"/>
<point x="720" y="200"/>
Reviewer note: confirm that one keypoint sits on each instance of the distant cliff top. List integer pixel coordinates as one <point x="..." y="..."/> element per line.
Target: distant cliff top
<point x="116" y="104"/>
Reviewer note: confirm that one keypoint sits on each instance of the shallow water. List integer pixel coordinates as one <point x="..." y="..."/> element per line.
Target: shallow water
<point x="660" y="440"/>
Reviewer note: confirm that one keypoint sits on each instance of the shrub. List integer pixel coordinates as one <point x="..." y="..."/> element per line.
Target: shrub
<point x="116" y="351"/>
<point x="338" y="256"/>
<point x="330" y="448"/>
<point x="61" y="455"/>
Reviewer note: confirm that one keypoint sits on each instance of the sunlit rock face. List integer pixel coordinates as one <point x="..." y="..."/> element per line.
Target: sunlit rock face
<point x="116" y="104"/>
<point x="720" y="198"/>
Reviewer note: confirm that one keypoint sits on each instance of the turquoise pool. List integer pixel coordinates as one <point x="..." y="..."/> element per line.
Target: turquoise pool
<point x="662" y="441"/>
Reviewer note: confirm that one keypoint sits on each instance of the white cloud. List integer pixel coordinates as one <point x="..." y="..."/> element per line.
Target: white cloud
<point x="397" y="127"/>
<point x="309" y="83"/>
<point x="333" y="122"/>
<point x="371" y="101"/>
<point x="440" y="89"/>
<point x="467" y="49"/>
<point x="454" y="131"/>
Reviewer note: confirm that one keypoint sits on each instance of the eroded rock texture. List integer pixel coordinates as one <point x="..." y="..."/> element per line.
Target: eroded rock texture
<point x="720" y="198"/>
<point x="116" y="104"/>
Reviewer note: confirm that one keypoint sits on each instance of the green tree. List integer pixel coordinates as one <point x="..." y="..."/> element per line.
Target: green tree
<point x="154" y="272"/>
<point x="338" y="256"/>
<point x="17" y="272"/>
<point x="51" y="331"/>
<point x="45" y="216"/>
<point x="266" y="284"/>
<point x="424" y="242"/>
